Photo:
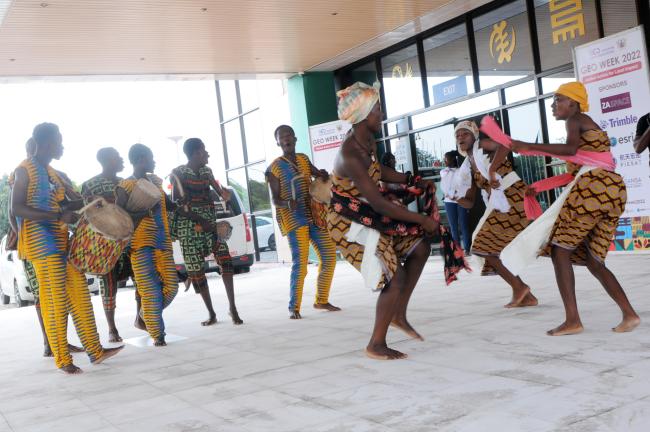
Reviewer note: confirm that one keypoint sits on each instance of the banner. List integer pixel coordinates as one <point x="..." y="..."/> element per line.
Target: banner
<point x="615" y="72"/>
<point x="325" y="140"/>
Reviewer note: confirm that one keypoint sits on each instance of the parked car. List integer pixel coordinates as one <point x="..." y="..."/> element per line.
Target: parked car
<point x="265" y="233"/>
<point x="13" y="281"/>
<point x="235" y="221"/>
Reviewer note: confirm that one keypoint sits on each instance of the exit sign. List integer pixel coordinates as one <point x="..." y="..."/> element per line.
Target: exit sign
<point x="449" y="90"/>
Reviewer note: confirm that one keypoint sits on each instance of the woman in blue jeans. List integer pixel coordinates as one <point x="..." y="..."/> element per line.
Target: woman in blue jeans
<point x="455" y="180"/>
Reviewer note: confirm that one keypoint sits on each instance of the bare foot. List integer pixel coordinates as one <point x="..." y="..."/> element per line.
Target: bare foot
<point x="566" y="329"/>
<point x="518" y="296"/>
<point x="107" y="353"/>
<point x="327" y="306"/>
<point x="529" y="300"/>
<point x="70" y="369"/>
<point x="139" y="323"/>
<point x="295" y="315"/>
<point x="210" y="321"/>
<point x="47" y="351"/>
<point x="114" y="336"/>
<point x="627" y="325"/>
<point x="234" y="315"/>
<point x="382" y="352"/>
<point x="406" y="328"/>
<point x="160" y="341"/>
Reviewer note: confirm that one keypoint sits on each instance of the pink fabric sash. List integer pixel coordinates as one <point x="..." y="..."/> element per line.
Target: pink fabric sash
<point x="582" y="157"/>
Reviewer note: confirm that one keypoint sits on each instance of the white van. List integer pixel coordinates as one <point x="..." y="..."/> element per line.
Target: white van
<point x="240" y="242"/>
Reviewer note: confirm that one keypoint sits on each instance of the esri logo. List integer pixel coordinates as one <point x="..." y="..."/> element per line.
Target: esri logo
<point x="603" y="124"/>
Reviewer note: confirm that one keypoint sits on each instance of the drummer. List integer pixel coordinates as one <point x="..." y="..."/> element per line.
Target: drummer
<point x="37" y="201"/>
<point x="152" y="260"/>
<point x="289" y="177"/>
<point x="30" y="273"/>
<point x="196" y="228"/>
<point x="103" y="185"/>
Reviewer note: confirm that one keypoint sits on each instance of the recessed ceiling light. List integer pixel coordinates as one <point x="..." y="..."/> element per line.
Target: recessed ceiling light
<point x="204" y="9"/>
<point x="44" y="5"/>
<point x="141" y="58"/>
<point x="257" y="58"/>
<point x="12" y="59"/>
<point x="334" y="13"/>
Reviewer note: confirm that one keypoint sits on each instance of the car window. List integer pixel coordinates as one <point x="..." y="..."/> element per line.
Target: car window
<point x="261" y="222"/>
<point x="229" y="209"/>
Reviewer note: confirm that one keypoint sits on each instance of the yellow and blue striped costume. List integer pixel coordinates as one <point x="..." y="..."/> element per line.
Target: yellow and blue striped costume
<point x="63" y="288"/>
<point x="298" y="226"/>
<point x="152" y="262"/>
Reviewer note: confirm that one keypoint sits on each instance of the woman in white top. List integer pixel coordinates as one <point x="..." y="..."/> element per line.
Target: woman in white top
<point x="455" y="180"/>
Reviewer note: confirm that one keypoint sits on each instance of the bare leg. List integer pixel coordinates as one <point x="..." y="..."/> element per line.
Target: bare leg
<point x="607" y="279"/>
<point x="566" y="283"/>
<point x="412" y="269"/>
<point x="212" y="315"/>
<point x="230" y="292"/>
<point x="139" y="322"/>
<point x="113" y="334"/>
<point x="519" y="289"/>
<point x="384" y="313"/>
<point x="47" y="351"/>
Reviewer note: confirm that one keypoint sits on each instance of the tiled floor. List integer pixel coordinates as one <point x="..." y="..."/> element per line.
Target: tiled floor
<point x="481" y="368"/>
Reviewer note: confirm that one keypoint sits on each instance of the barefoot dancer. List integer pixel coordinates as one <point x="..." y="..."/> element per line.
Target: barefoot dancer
<point x="289" y="177"/>
<point x="151" y="248"/>
<point x="37" y="201"/>
<point x="196" y="228"/>
<point x="395" y="262"/>
<point x="30" y="274"/>
<point x="103" y="185"/>
<point x="589" y="215"/>
<point x="505" y="217"/>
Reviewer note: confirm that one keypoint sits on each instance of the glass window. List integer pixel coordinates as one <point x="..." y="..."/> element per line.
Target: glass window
<point x="234" y="143"/>
<point x="253" y="134"/>
<point x="257" y="189"/>
<point x="520" y="92"/>
<point x="431" y="146"/>
<point x="248" y="95"/>
<point x="524" y="123"/>
<point x="562" y="25"/>
<point x="618" y="15"/>
<point x="402" y="82"/>
<point x="503" y="45"/>
<point x="462" y="109"/>
<point x="228" y="95"/>
<point x="366" y="73"/>
<point x="552" y="82"/>
<point x="237" y="181"/>
<point x="401" y="148"/>
<point x="451" y="78"/>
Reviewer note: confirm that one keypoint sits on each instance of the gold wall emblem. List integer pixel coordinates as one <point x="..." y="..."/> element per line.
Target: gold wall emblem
<point x="502" y="42"/>
<point x="567" y="20"/>
<point x="399" y="73"/>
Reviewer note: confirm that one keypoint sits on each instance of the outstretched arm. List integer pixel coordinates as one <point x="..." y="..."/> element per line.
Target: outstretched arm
<point x="642" y="142"/>
<point x="315" y="172"/>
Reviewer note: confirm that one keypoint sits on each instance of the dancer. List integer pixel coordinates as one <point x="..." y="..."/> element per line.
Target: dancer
<point x="289" y="177"/>
<point x="504" y="216"/>
<point x="360" y="217"/>
<point x="196" y="228"/>
<point x="151" y="248"/>
<point x="590" y="211"/>
<point x="38" y="199"/>
<point x="455" y="181"/>
<point x="30" y="274"/>
<point x="103" y="185"/>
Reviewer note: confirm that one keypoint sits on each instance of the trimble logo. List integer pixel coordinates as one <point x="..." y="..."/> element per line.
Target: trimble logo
<point x="619" y="121"/>
<point x="616" y="102"/>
